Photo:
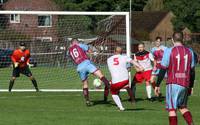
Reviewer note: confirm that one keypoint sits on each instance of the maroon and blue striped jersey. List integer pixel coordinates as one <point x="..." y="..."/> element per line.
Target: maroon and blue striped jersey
<point x="178" y="61"/>
<point x="78" y="52"/>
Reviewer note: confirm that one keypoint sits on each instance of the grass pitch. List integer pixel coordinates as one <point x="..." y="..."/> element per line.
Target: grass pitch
<point x="68" y="108"/>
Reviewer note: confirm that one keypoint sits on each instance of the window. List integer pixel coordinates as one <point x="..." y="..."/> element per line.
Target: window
<point x="45" y="39"/>
<point x="44" y="21"/>
<point x="14" y="18"/>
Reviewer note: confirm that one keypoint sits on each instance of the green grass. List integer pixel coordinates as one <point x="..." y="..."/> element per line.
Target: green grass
<point x="51" y="108"/>
<point x="47" y="78"/>
<point x="69" y="109"/>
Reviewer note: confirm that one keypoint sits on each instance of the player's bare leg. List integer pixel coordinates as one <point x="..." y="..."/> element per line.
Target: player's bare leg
<point x="187" y="116"/>
<point x="99" y="74"/>
<point x="173" y="118"/>
<point x="34" y="82"/>
<point x="12" y="81"/>
<point x="86" y="92"/>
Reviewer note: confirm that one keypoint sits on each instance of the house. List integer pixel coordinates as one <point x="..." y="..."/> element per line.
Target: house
<point x="148" y="25"/>
<point x="145" y="26"/>
<point x="114" y="29"/>
<point x="34" y="27"/>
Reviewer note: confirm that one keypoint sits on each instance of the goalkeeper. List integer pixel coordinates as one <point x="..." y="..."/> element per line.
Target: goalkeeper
<point x="21" y="59"/>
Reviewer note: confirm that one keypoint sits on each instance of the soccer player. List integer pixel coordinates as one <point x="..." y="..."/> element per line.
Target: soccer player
<point x="21" y="62"/>
<point x="78" y="53"/>
<point x="178" y="61"/>
<point x="157" y="52"/>
<point x="144" y="58"/>
<point x="117" y="65"/>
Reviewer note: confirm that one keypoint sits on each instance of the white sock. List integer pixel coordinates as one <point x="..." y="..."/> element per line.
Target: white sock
<point x="148" y="89"/>
<point x="117" y="101"/>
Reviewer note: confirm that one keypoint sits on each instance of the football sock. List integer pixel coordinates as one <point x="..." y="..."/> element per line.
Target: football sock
<point x="130" y="93"/>
<point x="107" y="86"/>
<point x="117" y="101"/>
<point x="35" y="84"/>
<point x="86" y="94"/>
<point x="188" y="118"/>
<point x="173" y="120"/>
<point x="133" y="88"/>
<point x="105" y="81"/>
<point x="11" y="85"/>
<point x="148" y="89"/>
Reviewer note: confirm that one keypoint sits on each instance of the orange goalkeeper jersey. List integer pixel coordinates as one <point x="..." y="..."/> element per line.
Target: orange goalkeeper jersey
<point x="22" y="57"/>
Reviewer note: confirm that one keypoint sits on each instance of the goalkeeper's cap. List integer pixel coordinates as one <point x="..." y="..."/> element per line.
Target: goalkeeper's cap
<point x="22" y="44"/>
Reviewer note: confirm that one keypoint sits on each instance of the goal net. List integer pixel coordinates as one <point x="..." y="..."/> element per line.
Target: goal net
<point x="47" y="35"/>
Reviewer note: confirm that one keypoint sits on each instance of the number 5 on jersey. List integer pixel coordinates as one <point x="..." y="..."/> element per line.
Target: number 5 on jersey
<point x="116" y="61"/>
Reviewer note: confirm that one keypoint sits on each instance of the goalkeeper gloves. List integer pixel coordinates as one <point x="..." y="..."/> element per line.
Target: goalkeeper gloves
<point x="16" y="64"/>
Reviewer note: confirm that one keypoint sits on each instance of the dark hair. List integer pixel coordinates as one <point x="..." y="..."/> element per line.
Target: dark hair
<point x="73" y="39"/>
<point x="22" y="44"/>
<point x="158" y="37"/>
<point x="178" y="36"/>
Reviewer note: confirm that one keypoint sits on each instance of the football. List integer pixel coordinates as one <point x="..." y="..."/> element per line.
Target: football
<point x="97" y="83"/>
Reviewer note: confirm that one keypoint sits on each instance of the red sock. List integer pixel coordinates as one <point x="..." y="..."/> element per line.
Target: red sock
<point x="86" y="94"/>
<point x="106" y="92"/>
<point x="173" y="120"/>
<point x="106" y="89"/>
<point x="130" y="93"/>
<point x="105" y="81"/>
<point x="188" y="118"/>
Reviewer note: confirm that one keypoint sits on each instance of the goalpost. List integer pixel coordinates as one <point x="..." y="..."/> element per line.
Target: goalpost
<point x="47" y="35"/>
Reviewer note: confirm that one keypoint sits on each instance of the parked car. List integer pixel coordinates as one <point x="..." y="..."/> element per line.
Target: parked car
<point x="5" y="59"/>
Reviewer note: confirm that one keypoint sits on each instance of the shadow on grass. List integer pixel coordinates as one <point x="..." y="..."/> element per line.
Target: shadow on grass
<point x="136" y="100"/>
<point x="101" y="102"/>
<point x="139" y="109"/>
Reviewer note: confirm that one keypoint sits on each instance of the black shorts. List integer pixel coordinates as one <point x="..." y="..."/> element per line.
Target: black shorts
<point x="25" y="71"/>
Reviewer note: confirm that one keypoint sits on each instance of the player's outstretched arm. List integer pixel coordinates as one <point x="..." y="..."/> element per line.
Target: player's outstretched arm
<point x="192" y="78"/>
<point x="138" y="67"/>
<point x="154" y="65"/>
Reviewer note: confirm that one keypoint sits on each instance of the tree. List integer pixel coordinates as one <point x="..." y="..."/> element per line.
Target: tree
<point x="93" y="5"/>
<point x="101" y="5"/>
<point x="187" y="13"/>
<point x="154" y="5"/>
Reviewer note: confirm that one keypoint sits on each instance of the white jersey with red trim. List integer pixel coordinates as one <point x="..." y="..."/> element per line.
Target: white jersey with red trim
<point x="144" y="59"/>
<point x="117" y="65"/>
